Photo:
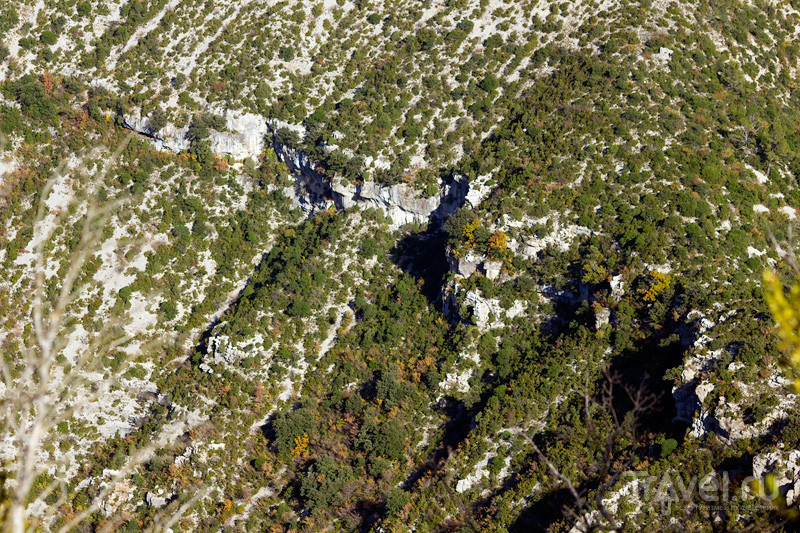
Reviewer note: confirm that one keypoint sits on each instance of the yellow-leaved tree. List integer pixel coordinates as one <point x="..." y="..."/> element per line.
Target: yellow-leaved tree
<point x="785" y="308"/>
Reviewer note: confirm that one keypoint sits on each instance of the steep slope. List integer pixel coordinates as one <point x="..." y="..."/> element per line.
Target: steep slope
<point x="449" y="266"/>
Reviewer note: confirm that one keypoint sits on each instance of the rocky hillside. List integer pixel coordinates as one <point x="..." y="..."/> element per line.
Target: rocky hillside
<point x="371" y="266"/>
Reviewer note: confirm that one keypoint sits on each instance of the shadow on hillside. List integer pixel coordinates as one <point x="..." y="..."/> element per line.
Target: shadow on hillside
<point x="422" y="255"/>
<point x="550" y="509"/>
<point x="458" y="426"/>
<point x="645" y="366"/>
<point x="641" y="367"/>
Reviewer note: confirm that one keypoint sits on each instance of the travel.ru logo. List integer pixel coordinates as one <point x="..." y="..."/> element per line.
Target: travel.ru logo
<point x="713" y="490"/>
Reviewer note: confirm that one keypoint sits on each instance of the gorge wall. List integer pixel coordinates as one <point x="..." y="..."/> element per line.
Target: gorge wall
<point x="246" y="136"/>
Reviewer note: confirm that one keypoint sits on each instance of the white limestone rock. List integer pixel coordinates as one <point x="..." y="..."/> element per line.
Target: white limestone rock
<point x="487" y="312"/>
<point x="463" y="266"/>
<point x="602" y="317"/>
<point x="154" y="500"/>
<point x="617" y="289"/>
<point x="492" y="269"/>
<point x="244" y="137"/>
<point x="785" y="466"/>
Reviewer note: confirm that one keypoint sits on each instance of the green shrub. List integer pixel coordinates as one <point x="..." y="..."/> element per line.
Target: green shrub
<point x="667" y="446"/>
<point x="299" y="308"/>
<point x="83" y="9"/>
<point x="292" y="425"/>
<point x="169" y="309"/>
<point x="125" y="293"/>
<point x="29" y="92"/>
<point x="287" y="54"/>
<point x="389" y="388"/>
<point x="382" y="440"/>
<point x="158" y="119"/>
<point x="790" y="434"/>
<point x="490" y="83"/>
<point x="321" y="486"/>
<point x="397" y="500"/>
<point x="48" y="37"/>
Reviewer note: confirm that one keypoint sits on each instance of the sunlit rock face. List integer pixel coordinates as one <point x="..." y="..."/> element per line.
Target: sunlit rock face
<point x="243" y="138"/>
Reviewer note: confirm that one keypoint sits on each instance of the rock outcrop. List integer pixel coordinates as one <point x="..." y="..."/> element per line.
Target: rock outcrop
<point x="470" y="263"/>
<point x="785" y="467"/>
<point x="243" y="138"/>
<point x="167" y="138"/>
<point x="602" y="317"/>
<point x="492" y="269"/>
<point x="697" y="407"/>
<point x="311" y="189"/>
<point x="119" y="495"/>
<point x="401" y="202"/>
<point x="154" y="500"/>
<point x="222" y="350"/>
<point x="487" y="313"/>
<point x="561" y="236"/>
<point x="463" y="266"/>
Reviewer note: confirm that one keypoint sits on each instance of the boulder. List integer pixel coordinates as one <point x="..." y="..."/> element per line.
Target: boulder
<point x="492" y="269"/>
<point x="487" y="312"/>
<point x="463" y="266"/>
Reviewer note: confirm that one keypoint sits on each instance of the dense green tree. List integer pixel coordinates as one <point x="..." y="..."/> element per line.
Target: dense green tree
<point x="321" y="486"/>
<point x="291" y="425"/>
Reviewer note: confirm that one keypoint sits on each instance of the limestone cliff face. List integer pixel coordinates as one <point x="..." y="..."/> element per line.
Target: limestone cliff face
<point x="246" y="136"/>
<point x="167" y="138"/>
<point x="697" y="406"/>
<point x="401" y="202"/>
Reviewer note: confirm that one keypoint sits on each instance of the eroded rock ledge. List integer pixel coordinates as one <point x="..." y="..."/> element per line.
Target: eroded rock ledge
<point x="246" y="137"/>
